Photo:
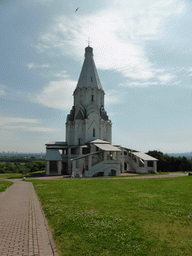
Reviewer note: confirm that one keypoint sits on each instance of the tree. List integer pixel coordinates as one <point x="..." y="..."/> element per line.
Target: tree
<point x="185" y="165"/>
<point x="163" y="160"/>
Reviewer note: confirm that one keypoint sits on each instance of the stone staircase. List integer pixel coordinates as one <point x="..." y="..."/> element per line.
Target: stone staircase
<point x="134" y="167"/>
<point x="104" y="168"/>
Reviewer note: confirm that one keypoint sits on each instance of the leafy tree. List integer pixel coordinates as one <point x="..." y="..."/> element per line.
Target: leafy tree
<point x="162" y="164"/>
<point x="185" y="165"/>
<point x="155" y="153"/>
<point x="171" y="164"/>
<point x="10" y="167"/>
<point x="2" y="168"/>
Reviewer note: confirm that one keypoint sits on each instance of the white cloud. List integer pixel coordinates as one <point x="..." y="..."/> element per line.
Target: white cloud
<point x="114" y="97"/>
<point x="28" y="124"/>
<point x="57" y="94"/>
<point x="32" y="65"/>
<point x="140" y="83"/>
<point x="118" y="35"/>
<point x="32" y="129"/>
<point x="189" y="71"/>
<point x="40" y="47"/>
<point x="166" y="78"/>
<point x="41" y="129"/>
<point x="2" y="90"/>
<point x="62" y="74"/>
<point x="8" y="120"/>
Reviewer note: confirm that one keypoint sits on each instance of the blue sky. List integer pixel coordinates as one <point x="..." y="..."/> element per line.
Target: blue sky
<point x="142" y="50"/>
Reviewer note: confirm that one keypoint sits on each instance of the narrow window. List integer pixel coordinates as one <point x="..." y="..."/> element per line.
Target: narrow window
<point x="93" y="132"/>
<point x="92" y="97"/>
<point x="79" y="141"/>
<point x="91" y="79"/>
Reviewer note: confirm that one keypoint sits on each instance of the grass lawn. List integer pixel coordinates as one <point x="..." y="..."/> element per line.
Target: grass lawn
<point x="119" y="217"/>
<point x="11" y="176"/>
<point x="20" y="175"/>
<point x="4" y="185"/>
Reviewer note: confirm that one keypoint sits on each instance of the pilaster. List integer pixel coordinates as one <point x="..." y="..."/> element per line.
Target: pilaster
<point x="89" y="162"/>
<point x="59" y="167"/>
<point x="47" y="168"/>
<point x="155" y="166"/>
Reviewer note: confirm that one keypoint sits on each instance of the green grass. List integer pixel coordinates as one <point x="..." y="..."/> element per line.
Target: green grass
<point x="20" y="175"/>
<point x="4" y="185"/>
<point x="123" y="175"/>
<point x="119" y="217"/>
<point x="11" y="176"/>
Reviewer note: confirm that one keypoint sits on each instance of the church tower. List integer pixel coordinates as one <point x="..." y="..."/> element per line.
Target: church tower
<point x="88" y="119"/>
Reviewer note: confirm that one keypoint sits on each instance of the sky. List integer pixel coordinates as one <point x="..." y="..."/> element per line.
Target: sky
<point x="143" y="54"/>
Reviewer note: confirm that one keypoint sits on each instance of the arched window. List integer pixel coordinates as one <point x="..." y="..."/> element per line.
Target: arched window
<point x="93" y="132"/>
<point x="92" y="97"/>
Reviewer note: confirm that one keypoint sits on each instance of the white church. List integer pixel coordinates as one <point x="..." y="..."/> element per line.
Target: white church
<point x="88" y="150"/>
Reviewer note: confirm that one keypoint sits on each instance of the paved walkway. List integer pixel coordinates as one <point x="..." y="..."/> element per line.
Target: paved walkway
<point x="23" y="227"/>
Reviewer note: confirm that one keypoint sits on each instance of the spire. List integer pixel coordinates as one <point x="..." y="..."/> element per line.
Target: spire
<point x="89" y="76"/>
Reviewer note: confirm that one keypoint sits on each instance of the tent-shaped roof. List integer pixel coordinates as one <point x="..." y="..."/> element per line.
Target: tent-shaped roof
<point x="89" y="76"/>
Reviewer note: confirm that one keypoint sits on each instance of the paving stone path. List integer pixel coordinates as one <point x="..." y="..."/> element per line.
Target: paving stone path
<point x="23" y="227"/>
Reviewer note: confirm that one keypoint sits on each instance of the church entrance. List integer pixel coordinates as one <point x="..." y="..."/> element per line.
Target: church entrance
<point x="64" y="168"/>
<point x="98" y="174"/>
<point x="113" y="173"/>
<point x="53" y="168"/>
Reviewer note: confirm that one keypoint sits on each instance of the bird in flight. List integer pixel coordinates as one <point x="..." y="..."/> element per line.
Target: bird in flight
<point x="77" y="9"/>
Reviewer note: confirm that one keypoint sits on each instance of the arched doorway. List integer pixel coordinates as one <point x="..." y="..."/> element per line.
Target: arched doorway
<point x="64" y="168"/>
<point x="112" y="172"/>
<point x="53" y="168"/>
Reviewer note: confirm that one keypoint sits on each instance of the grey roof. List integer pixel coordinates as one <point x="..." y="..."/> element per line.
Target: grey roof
<point x="56" y="147"/>
<point x="144" y="156"/>
<point x="98" y="141"/>
<point x="107" y="147"/>
<point x="57" y="143"/>
<point x="53" y="155"/>
<point x="116" y="145"/>
<point x="89" y="76"/>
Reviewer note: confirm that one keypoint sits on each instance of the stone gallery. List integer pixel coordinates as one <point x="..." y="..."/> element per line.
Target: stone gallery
<point x="88" y="150"/>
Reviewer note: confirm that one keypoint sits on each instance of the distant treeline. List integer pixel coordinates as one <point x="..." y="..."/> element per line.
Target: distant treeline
<point x="171" y="164"/>
<point x="21" y="165"/>
<point x="19" y="159"/>
<point x="187" y="155"/>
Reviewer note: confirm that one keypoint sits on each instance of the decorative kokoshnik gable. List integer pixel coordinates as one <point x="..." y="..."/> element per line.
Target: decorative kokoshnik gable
<point x="88" y="150"/>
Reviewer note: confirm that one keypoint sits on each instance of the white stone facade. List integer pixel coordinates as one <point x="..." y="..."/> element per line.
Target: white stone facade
<point x="88" y="150"/>
<point x="88" y="119"/>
